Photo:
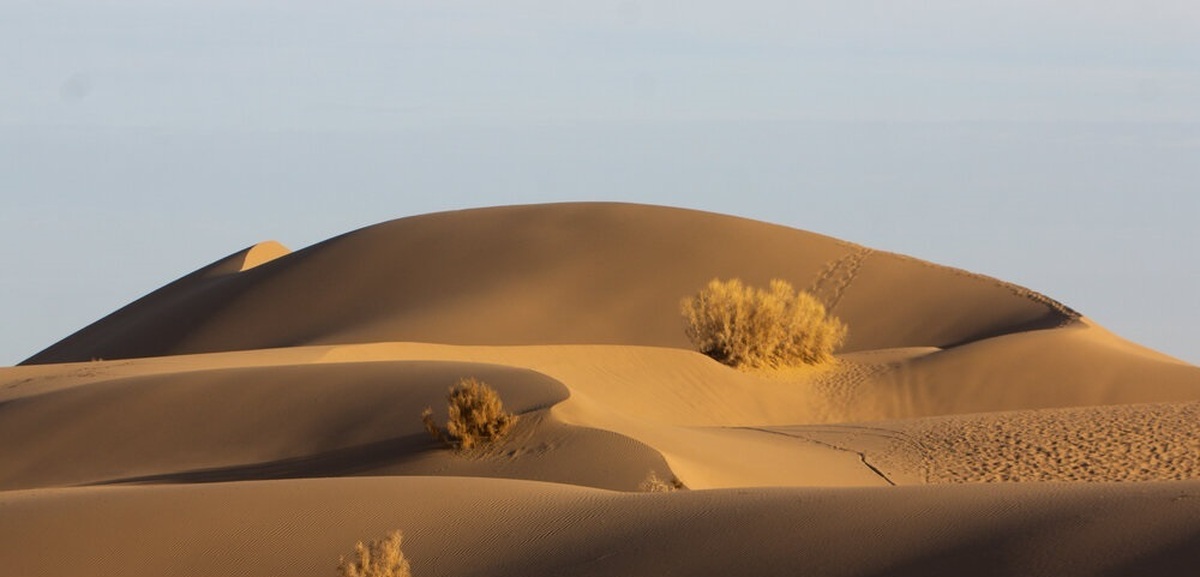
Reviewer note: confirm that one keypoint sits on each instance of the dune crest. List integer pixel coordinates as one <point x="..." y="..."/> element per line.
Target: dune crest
<point x="262" y="253"/>
<point x="576" y="273"/>
<point x="244" y="260"/>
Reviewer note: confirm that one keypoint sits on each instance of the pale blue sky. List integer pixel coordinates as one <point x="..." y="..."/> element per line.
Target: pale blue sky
<point x="1055" y="145"/>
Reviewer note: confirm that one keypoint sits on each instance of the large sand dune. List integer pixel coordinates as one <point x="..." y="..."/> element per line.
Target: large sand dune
<point x="260" y="415"/>
<point x="546" y="274"/>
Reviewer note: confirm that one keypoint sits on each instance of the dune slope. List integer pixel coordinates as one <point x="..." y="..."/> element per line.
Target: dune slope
<point x="497" y="528"/>
<point x="306" y="420"/>
<point x="549" y="274"/>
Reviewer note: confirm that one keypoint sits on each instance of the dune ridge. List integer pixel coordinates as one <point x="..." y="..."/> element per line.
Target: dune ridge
<point x="260" y="415"/>
<point x="429" y="278"/>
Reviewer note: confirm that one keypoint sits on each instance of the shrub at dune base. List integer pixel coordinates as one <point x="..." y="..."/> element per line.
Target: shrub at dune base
<point x="743" y="326"/>
<point x="381" y="558"/>
<point x="476" y="416"/>
<point x="655" y="484"/>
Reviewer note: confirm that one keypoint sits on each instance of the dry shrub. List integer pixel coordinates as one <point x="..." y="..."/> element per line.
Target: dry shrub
<point x="656" y="484"/>
<point x="477" y="416"/>
<point x="744" y="326"/>
<point x="382" y="558"/>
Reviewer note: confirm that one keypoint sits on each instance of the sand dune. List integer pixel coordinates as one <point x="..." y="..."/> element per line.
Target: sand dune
<point x="259" y="416"/>
<point x="296" y="421"/>
<point x="565" y="274"/>
<point x="1080" y="364"/>
<point x="469" y="527"/>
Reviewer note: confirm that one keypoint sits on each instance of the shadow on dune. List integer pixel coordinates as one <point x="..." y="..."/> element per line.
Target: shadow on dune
<point x="540" y="448"/>
<point x="1181" y="558"/>
<point x="346" y="462"/>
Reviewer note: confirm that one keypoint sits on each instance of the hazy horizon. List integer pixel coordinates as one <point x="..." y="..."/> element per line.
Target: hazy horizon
<point x="1052" y="146"/>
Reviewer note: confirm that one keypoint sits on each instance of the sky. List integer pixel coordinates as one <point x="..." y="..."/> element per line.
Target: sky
<point x="1051" y="144"/>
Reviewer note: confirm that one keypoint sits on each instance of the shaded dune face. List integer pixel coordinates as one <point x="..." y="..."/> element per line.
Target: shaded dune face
<point x="597" y="273"/>
<point x="294" y="421"/>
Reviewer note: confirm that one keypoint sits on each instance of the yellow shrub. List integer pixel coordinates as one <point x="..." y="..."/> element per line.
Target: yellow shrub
<point x="656" y="484"/>
<point x="382" y="558"/>
<point x="743" y="326"/>
<point x="477" y="416"/>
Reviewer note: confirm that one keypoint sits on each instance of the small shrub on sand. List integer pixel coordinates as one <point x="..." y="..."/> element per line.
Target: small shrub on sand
<point x="744" y="326"/>
<point x="656" y="484"/>
<point x="477" y="416"/>
<point x="381" y="558"/>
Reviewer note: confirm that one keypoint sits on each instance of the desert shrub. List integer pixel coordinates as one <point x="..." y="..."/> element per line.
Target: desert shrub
<point x="381" y="558"/>
<point x="476" y="416"/>
<point x="744" y="326"/>
<point x="656" y="484"/>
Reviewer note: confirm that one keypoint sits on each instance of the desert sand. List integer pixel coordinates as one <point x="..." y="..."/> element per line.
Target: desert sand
<point x="261" y="415"/>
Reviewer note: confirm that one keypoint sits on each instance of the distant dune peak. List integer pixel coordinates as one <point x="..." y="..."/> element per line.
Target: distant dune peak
<point x="246" y="259"/>
<point x="262" y="253"/>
